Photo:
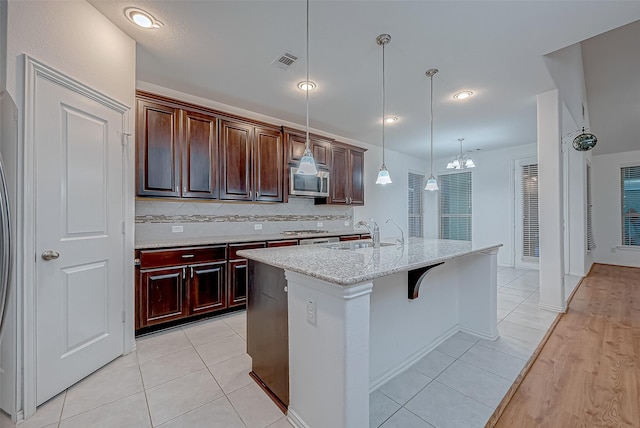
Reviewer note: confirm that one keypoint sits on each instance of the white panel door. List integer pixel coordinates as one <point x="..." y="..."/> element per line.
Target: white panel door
<point x="79" y="240"/>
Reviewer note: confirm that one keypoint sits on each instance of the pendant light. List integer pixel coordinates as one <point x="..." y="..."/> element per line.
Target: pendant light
<point x="383" y="174"/>
<point x="432" y="183"/>
<point x="462" y="161"/>
<point x="307" y="164"/>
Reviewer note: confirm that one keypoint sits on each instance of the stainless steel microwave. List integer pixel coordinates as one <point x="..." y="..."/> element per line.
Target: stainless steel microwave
<point x="309" y="185"/>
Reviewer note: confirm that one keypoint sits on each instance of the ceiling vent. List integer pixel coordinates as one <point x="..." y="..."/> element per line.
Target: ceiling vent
<point x="285" y="60"/>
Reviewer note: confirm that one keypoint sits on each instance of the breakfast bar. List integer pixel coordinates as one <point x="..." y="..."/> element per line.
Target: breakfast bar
<point x="352" y="317"/>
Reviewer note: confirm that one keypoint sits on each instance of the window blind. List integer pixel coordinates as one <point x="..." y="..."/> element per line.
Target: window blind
<point x="630" y="191"/>
<point x="530" y="219"/>
<point x="455" y="206"/>
<point x="591" y="242"/>
<point x="415" y="205"/>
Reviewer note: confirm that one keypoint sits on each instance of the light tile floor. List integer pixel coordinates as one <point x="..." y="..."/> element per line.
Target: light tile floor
<point x="197" y="376"/>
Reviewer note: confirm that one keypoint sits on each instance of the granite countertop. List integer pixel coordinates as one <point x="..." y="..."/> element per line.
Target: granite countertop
<point x="349" y="267"/>
<point x="235" y="239"/>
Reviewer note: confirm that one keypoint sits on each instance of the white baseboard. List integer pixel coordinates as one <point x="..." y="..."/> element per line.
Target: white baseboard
<point x="295" y="420"/>
<point x="553" y="308"/>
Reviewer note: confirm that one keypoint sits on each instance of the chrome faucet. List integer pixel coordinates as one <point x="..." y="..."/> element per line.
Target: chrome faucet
<point x="401" y="240"/>
<point x="375" y="235"/>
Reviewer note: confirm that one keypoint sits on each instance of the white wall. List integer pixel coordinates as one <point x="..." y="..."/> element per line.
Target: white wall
<point x="607" y="209"/>
<point x="77" y="40"/>
<point x="493" y="184"/>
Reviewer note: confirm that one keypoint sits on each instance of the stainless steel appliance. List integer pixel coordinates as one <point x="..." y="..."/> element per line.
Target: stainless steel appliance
<point x="7" y="113"/>
<point x="327" y="240"/>
<point x="309" y="185"/>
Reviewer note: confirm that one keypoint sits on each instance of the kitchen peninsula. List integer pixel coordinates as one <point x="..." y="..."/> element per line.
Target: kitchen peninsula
<point x="351" y="317"/>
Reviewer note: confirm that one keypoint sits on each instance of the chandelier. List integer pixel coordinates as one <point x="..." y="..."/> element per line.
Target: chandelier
<point x="462" y="160"/>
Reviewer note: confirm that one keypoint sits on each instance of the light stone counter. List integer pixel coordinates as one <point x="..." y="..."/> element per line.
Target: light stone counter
<point x="234" y="239"/>
<point x="349" y="267"/>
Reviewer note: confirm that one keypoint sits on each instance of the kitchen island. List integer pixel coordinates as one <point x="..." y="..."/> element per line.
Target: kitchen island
<point x="357" y="316"/>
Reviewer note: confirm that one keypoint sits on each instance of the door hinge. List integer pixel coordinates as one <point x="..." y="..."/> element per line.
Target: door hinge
<point x="124" y="227"/>
<point x="123" y="316"/>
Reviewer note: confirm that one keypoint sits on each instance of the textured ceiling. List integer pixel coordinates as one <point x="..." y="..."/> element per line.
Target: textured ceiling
<point x="222" y="50"/>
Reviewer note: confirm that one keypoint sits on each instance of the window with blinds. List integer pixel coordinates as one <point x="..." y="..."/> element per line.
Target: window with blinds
<point x="630" y="191"/>
<point x="415" y="205"/>
<point x="530" y="223"/>
<point x="455" y="206"/>
<point x="591" y="242"/>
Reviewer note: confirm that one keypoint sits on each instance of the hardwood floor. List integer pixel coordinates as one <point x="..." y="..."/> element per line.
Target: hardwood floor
<point x="588" y="372"/>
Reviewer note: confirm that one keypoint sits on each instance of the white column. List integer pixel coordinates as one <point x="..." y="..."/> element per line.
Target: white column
<point x="550" y="202"/>
<point x="328" y="353"/>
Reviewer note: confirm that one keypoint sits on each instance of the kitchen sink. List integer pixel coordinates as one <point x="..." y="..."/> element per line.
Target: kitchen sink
<point x="355" y="245"/>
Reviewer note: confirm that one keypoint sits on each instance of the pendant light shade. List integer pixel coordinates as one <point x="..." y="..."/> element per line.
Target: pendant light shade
<point x="307" y="162"/>
<point x="383" y="174"/>
<point x="432" y="183"/>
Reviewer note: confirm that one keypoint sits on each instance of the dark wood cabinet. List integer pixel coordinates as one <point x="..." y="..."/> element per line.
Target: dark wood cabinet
<point x="207" y="287"/>
<point x="252" y="163"/>
<point x="236" y="141"/>
<point x="268" y="165"/>
<point x="158" y="149"/>
<point x="174" y="284"/>
<point x="177" y="151"/>
<point x="295" y="143"/>
<point x="237" y="269"/>
<point x="200" y="156"/>
<point x="164" y="293"/>
<point x="347" y="176"/>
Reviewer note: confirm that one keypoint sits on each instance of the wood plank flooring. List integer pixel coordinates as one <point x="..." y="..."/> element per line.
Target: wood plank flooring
<point x="588" y="372"/>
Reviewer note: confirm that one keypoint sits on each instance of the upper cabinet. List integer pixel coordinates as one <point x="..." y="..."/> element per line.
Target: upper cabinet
<point x="252" y="162"/>
<point x="158" y="149"/>
<point x="347" y="170"/>
<point x="189" y="151"/>
<point x="177" y="151"/>
<point x="295" y="142"/>
<point x="185" y="151"/>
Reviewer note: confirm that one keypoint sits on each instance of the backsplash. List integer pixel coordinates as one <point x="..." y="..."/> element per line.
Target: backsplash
<point x="155" y="218"/>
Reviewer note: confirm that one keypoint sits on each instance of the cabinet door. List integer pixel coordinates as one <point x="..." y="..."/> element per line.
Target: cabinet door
<point x="200" y="160"/>
<point x="339" y="185"/>
<point x="207" y="289"/>
<point x="158" y="155"/>
<point x="237" y="282"/>
<point x="356" y="177"/>
<point x="162" y="296"/>
<point x="236" y="140"/>
<point x="268" y="165"/>
<point x="320" y="147"/>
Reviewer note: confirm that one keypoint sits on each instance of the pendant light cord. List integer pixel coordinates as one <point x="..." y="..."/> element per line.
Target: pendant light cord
<point x="431" y="172"/>
<point x="307" y="91"/>
<point x="383" y="103"/>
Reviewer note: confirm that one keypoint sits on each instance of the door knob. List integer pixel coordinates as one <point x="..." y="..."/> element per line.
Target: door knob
<point x="50" y="255"/>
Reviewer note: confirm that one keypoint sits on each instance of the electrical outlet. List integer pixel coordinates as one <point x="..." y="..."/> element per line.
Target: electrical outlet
<point x="311" y="312"/>
<point x="177" y="229"/>
<point x="257" y="226"/>
<point x="347" y="223"/>
<point x="319" y="224"/>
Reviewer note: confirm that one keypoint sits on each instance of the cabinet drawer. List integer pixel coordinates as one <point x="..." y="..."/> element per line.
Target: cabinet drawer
<point x="182" y="256"/>
<point x="285" y="243"/>
<point x="234" y="248"/>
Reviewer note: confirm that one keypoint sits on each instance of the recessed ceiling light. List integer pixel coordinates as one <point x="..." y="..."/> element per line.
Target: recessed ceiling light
<point x="463" y="95"/>
<point x="390" y="119"/>
<point x="307" y="86"/>
<point x="142" y="18"/>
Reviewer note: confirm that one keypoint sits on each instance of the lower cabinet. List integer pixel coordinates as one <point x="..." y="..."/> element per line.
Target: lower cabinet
<point x="237" y="268"/>
<point x="172" y="284"/>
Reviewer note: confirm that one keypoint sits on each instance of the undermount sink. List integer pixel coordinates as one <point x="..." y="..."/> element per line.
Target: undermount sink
<point x="355" y="245"/>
